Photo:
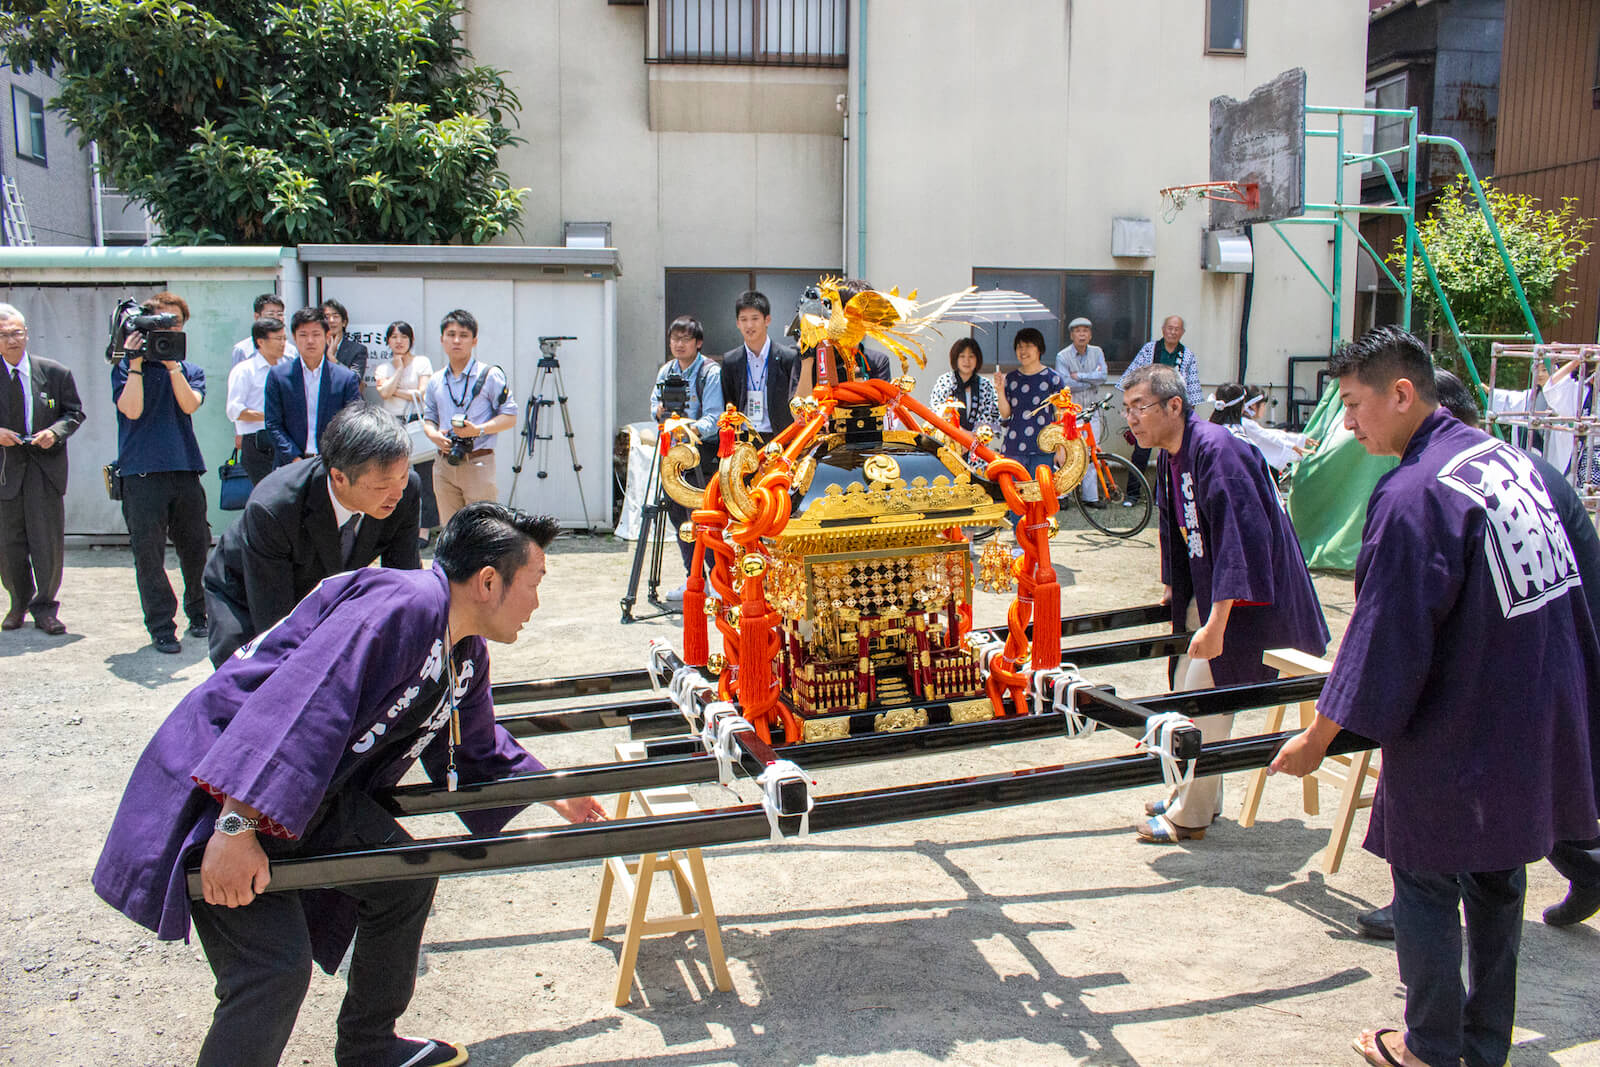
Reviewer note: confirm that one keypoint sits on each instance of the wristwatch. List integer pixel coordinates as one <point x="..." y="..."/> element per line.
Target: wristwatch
<point x="233" y="824"/>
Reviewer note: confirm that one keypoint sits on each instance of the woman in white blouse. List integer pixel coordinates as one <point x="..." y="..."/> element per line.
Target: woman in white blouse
<point x="401" y="380"/>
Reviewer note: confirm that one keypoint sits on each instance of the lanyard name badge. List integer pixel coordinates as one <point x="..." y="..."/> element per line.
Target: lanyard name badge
<point x="755" y="401"/>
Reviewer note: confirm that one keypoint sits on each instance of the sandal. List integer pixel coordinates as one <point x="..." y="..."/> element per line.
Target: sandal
<point x="1156" y="807"/>
<point x="1385" y="1057"/>
<point x="1163" y="831"/>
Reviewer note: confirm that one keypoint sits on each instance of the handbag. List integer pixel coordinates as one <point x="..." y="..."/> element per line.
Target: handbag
<point x="236" y="484"/>
<point x="113" y="476"/>
<point x="422" y="449"/>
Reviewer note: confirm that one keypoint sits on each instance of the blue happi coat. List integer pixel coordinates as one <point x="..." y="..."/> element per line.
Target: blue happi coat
<point x="343" y="695"/>
<point x="1470" y="658"/>
<point x="1225" y="535"/>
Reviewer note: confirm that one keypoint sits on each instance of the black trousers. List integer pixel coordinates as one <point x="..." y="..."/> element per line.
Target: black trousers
<point x="155" y="507"/>
<point x="32" y="527"/>
<point x="255" y="452"/>
<point x="261" y="953"/>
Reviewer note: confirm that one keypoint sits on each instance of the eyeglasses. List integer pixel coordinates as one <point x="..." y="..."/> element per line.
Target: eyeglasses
<point x="1139" y="411"/>
<point x="12" y="335"/>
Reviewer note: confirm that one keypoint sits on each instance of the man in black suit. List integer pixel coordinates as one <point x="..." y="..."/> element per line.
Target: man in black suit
<point x="342" y="348"/>
<point x="303" y="395"/>
<point x="866" y="363"/>
<point x="356" y="502"/>
<point x="755" y="375"/>
<point x="39" y="409"/>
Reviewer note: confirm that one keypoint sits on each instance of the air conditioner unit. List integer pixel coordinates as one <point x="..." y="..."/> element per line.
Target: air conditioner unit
<point x="1226" y="252"/>
<point x="1133" y="238"/>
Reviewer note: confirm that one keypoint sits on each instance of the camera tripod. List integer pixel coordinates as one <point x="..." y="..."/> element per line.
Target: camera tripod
<point x="654" y="526"/>
<point x="533" y="440"/>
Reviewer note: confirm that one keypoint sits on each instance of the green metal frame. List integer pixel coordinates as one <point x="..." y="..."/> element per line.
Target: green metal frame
<point x="1337" y="215"/>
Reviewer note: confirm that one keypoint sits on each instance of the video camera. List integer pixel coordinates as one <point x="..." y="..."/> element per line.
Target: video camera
<point x="161" y="341"/>
<point x="674" y="393"/>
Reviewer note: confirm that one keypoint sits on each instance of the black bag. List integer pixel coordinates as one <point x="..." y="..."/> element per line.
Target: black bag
<point x="236" y="484"/>
<point x="113" y="476"/>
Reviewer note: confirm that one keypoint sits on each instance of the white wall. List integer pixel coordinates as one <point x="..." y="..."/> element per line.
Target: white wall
<point x="999" y="135"/>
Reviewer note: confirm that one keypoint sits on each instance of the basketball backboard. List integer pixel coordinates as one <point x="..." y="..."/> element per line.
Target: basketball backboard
<point x="1261" y="139"/>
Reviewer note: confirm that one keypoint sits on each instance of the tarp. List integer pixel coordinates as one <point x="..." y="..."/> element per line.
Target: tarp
<point x="1328" y="497"/>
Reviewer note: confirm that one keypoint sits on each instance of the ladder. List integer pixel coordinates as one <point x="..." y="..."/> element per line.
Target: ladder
<point x="17" y="229"/>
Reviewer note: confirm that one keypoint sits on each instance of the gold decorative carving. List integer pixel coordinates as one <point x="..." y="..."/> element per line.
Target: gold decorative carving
<point x="1070" y="473"/>
<point x="965" y="711"/>
<point x="826" y="729"/>
<point x="679" y="458"/>
<point x="897" y="719"/>
<point x="733" y="472"/>
<point x="804" y="473"/>
<point x="881" y="468"/>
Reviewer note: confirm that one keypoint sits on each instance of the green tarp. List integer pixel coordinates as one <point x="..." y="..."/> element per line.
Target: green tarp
<point x="1328" y="497"/>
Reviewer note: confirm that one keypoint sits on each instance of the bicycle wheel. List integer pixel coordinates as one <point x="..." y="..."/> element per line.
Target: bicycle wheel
<point x="1119" y="514"/>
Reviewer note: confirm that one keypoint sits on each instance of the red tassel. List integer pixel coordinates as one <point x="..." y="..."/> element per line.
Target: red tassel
<point x="696" y="642"/>
<point x="725" y="440"/>
<point x="1047" y="625"/>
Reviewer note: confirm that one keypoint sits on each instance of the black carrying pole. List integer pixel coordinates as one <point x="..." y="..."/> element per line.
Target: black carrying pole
<point x="666" y="765"/>
<point x="571" y="844"/>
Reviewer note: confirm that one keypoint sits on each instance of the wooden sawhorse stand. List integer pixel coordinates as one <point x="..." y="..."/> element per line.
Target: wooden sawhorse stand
<point x="1348" y="773"/>
<point x="635" y="880"/>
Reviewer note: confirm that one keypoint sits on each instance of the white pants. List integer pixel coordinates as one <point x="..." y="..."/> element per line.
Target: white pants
<point x="1198" y="803"/>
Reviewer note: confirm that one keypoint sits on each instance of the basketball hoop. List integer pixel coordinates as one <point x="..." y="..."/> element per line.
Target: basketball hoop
<point x="1247" y="194"/>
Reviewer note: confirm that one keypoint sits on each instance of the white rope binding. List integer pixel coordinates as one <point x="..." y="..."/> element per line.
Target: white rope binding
<point x="686" y="685"/>
<point x="1157" y="740"/>
<point x="722" y="722"/>
<point x="986" y="650"/>
<point x="1063" y="684"/>
<point x="771" y="783"/>
<point x="659" y="648"/>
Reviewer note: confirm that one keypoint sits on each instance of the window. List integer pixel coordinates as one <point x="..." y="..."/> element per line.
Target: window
<point x="1225" y="26"/>
<point x="709" y="295"/>
<point x="1387" y="132"/>
<point x="27" y="111"/>
<point x="796" y="33"/>
<point x="1117" y="302"/>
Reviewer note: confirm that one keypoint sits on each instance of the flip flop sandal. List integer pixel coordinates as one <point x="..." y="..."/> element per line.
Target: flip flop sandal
<point x="1388" y="1059"/>
<point x="1163" y="831"/>
<point x="1155" y="807"/>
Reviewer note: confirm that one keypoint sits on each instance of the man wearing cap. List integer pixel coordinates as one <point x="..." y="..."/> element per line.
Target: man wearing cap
<point x="1083" y="367"/>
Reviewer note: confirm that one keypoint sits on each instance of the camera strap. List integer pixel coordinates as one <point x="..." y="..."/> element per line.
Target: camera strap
<point x="471" y="393"/>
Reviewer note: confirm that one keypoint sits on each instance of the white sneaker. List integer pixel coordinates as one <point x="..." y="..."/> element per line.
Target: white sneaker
<point x="676" y="596"/>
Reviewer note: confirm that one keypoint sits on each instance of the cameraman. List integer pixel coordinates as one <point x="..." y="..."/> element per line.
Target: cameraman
<point x="159" y="463"/>
<point x="689" y="385"/>
<point x="472" y="403"/>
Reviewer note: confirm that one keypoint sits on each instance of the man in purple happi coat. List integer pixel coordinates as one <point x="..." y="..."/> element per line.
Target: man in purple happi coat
<point x="280" y="752"/>
<point x="1231" y="565"/>
<point x="1472" y="661"/>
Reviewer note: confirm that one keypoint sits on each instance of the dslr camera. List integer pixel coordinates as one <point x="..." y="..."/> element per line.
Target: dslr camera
<point x="460" y="447"/>
<point x="161" y="341"/>
<point x="674" y="393"/>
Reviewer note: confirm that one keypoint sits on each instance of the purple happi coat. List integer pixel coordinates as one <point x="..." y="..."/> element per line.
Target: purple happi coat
<point x="344" y="694"/>
<point x="1470" y="658"/>
<point x="1225" y="535"/>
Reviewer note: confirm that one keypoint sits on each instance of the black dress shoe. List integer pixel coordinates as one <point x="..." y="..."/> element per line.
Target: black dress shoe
<point x="1377" y="924"/>
<point x="169" y="645"/>
<point x="12" y="621"/>
<point x="197" y="628"/>
<point x="1579" y="905"/>
<point x="50" y="625"/>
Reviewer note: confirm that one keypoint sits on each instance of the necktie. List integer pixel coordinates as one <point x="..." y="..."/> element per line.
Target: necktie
<point x="15" y="410"/>
<point x="347" y="538"/>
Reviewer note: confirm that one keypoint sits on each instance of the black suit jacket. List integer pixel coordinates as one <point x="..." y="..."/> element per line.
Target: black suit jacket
<point x="285" y="404"/>
<point x="877" y="367"/>
<point x="56" y="408"/>
<point x="285" y="542"/>
<point x="353" y="355"/>
<point x="780" y="367"/>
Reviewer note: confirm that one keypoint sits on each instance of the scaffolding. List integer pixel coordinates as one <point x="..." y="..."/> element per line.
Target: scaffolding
<point x="1559" y="414"/>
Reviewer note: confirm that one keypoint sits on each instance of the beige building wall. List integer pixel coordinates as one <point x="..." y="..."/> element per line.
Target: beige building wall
<point x="997" y="135"/>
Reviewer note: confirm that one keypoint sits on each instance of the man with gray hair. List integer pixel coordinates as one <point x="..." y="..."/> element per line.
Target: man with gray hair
<point x="1169" y="351"/>
<point x="356" y="501"/>
<point x="1231" y="566"/>
<point x="39" y="409"/>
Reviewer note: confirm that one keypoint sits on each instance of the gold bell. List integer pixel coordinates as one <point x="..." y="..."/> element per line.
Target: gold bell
<point x="753" y="565"/>
<point x="716" y="663"/>
<point x="686" y="533"/>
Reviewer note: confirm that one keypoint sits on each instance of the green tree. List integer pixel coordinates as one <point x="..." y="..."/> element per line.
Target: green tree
<point x="279" y="123"/>
<point x="1543" y="245"/>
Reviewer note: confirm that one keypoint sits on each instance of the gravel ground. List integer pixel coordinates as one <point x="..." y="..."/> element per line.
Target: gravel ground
<point x="1036" y="934"/>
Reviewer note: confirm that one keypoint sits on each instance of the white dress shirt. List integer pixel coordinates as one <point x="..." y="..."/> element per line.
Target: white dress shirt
<point x="243" y="350"/>
<point x="313" y="382"/>
<point x="247" y="388"/>
<point x="755" y="382"/>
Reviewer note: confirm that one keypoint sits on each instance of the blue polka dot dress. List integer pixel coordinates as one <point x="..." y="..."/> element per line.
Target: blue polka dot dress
<point x="1024" y="392"/>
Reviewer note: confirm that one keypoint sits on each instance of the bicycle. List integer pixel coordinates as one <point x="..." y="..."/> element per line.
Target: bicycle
<point x="1118" y="513"/>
